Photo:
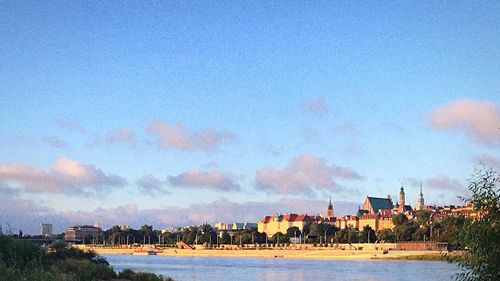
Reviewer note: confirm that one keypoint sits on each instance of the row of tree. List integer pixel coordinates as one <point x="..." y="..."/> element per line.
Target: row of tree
<point x="419" y="229"/>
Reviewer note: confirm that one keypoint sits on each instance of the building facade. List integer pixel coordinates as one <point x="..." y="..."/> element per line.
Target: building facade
<point x="46" y="229"/>
<point x="80" y="233"/>
<point x="281" y="223"/>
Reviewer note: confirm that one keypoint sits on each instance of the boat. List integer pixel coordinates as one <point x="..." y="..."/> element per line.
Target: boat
<point x="146" y="252"/>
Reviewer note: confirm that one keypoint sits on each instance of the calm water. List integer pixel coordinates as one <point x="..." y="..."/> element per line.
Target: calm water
<point x="211" y="268"/>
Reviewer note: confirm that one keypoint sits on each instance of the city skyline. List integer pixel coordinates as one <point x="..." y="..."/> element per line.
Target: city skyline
<point x="185" y="113"/>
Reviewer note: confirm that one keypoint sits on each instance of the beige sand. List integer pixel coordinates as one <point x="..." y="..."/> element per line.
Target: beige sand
<point x="316" y="253"/>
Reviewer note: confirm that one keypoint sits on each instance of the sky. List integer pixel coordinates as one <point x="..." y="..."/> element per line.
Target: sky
<point x="185" y="112"/>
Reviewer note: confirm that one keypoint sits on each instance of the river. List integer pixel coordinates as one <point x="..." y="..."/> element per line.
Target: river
<point x="221" y="269"/>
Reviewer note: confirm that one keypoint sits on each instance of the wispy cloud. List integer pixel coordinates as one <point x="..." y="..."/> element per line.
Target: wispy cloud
<point x="412" y="181"/>
<point x="479" y="119"/>
<point x="489" y="161"/>
<point x="55" y="142"/>
<point x="347" y="129"/>
<point x="168" y="136"/>
<point x="314" y="105"/>
<point x="443" y="182"/>
<point x="212" y="179"/>
<point x="303" y="174"/>
<point x="152" y="185"/>
<point x="69" y="125"/>
<point x="116" y="136"/>
<point x="311" y="135"/>
<point x="66" y="176"/>
<point x="271" y="149"/>
<point x="121" y="135"/>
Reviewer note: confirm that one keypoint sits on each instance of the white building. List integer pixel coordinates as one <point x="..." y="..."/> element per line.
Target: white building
<point x="46" y="229"/>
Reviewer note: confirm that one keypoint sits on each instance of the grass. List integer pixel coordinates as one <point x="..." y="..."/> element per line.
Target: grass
<point x="430" y="257"/>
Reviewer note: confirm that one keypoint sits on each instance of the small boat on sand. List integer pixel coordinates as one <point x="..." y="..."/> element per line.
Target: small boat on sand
<point x="146" y="252"/>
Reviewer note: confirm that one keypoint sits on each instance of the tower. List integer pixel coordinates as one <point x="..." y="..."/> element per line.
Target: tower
<point x="329" y="211"/>
<point x="420" y="201"/>
<point x="402" y="198"/>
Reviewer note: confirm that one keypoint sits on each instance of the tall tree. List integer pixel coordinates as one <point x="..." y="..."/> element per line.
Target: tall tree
<point x="482" y="235"/>
<point x="367" y="235"/>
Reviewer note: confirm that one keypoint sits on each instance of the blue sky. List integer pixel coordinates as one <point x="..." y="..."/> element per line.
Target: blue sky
<point x="226" y="107"/>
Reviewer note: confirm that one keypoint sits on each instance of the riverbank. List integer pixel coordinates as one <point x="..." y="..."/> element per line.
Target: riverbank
<point x="315" y="253"/>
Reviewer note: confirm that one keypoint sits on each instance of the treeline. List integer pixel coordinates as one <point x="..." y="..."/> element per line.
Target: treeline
<point x="422" y="228"/>
<point x="22" y="260"/>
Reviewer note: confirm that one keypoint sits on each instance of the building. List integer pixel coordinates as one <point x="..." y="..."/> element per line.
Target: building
<point x="329" y="211"/>
<point x="347" y="222"/>
<point x="401" y="206"/>
<point x="374" y="204"/>
<point x="123" y="226"/>
<point x="237" y="226"/>
<point x="385" y="220"/>
<point x="46" y="229"/>
<point x="222" y="226"/>
<point x="80" y="233"/>
<point x="243" y="226"/>
<point x="170" y="229"/>
<point x="370" y="220"/>
<point x="281" y="223"/>
<point x="420" y="200"/>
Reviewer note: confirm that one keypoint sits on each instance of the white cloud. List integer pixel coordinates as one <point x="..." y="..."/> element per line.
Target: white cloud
<point x="26" y="215"/>
<point x="479" y="119"/>
<point x="212" y="179"/>
<point x="169" y="136"/>
<point x="303" y="174"/>
<point x="65" y="176"/>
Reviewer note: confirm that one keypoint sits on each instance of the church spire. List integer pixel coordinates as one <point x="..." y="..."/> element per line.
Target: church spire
<point x="329" y="211"/>
<point x="402" y="197"/>
<point x="420" y="202"/>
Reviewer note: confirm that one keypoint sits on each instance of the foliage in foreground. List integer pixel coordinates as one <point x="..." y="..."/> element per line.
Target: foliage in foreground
<point x="22" y="260"/>
<point x="481" y="237"/>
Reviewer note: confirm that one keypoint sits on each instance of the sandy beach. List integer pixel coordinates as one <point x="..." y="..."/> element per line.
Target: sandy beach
<point x="310" y="253"/>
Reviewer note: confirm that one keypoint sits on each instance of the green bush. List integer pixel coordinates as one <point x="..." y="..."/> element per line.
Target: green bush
<point x="23" y="261"/>
<point x="131" y="275"/>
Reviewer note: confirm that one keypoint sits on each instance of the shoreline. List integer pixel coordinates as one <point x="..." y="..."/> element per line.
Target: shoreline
<point x="318" y="254"/>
